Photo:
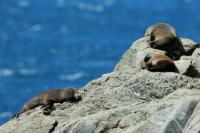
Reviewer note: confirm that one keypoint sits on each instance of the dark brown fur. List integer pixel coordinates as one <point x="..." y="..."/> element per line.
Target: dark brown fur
<point x="158" y="62"/>
<point x="52" y="96"/>
<point x="163" y="36"/>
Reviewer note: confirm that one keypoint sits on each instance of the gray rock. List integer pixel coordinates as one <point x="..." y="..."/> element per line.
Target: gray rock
<point x="173" y="117"/>
<point x="34" y="123"/>
<point x="189" y="45"/>
<point x="193" y="123"/>
<point x="128" y="60"/>
<point x="127" y="100"/>
<point x="183" y="66"/>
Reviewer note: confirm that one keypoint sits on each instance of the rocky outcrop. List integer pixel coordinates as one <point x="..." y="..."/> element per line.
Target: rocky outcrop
<point x="127" y="100"/>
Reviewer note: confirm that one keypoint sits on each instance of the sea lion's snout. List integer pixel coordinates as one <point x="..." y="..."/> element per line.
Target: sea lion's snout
<point x="77" y="96"/>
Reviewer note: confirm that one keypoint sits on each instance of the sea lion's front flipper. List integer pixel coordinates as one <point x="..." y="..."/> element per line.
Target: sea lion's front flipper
<point x="47" y="108"/>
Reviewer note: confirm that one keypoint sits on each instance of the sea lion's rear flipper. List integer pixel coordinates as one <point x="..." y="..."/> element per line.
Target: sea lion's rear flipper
<point x="15" y="116"/>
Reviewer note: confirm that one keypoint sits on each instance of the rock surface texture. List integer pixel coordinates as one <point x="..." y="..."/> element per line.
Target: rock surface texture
<point x="127" y="100"/>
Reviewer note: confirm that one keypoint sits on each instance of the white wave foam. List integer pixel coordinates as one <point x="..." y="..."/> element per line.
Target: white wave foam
<point x="25" y="71"/>
<point x="72" y="77"/>
<point x="90" y="7"/>
<point x="6" y="72"/>
<point x="5" y="114"/>
<point x="100" y="63"/>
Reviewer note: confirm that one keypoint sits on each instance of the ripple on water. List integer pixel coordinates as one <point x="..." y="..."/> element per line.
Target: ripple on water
<point x="72" y="77"/>
<point x="5" y="115"/>
<point x="91" y="7"/>
<point x="23" y="3"/>
<point x="6" y="72"/>
<point x="25" y="71"/>
<point x="60" y="3"/>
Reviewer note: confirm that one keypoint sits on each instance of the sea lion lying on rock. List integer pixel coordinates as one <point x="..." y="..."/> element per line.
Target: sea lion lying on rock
<point x="158" y="62"/>
<point x="50" y="97"/>
<point x="163" y="36"/>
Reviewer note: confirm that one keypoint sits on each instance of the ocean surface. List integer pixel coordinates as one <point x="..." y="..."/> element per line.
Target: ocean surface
<point x="46" y="44"/>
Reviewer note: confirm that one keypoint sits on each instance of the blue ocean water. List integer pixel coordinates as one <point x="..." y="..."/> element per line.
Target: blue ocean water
<point x="47" y="44"/>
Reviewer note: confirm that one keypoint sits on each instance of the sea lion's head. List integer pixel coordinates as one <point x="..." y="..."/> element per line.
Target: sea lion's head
<point x="77" y="95"/>
<point x="158" y="62"/>
<point x="162" y="36"/>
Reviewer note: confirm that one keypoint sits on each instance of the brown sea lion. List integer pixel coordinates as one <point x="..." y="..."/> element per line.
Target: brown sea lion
<point x="50" y="97"/>
<point x="163" y="36"/>
<point x="158" y="62"/>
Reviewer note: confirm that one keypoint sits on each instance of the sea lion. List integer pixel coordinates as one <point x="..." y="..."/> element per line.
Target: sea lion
<point x="50" y="97"/>
<point x="163" y="36"/>
<point x="158" y="62"/>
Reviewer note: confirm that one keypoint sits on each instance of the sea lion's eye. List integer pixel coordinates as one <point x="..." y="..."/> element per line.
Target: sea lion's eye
<point x="152" y="37"/>
<point x="147" y="58"/>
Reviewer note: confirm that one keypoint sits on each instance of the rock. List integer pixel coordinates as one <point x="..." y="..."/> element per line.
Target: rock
<point x="127" y="100"/>
<point x="128" y="60"/>
<point x="183" y="66"/>
<point x="34" y="123"/>
<point x="173" y="117"/>
<point x="193" y="123"/>
<point x="189" y="45"/>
